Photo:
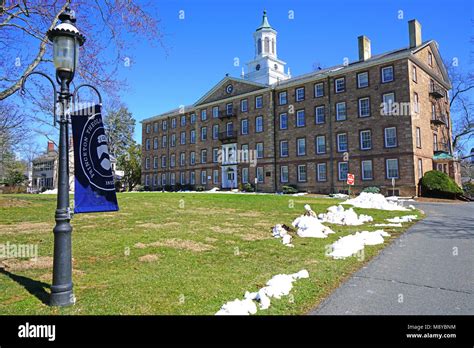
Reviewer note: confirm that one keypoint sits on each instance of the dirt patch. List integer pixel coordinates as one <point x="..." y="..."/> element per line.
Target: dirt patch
<point x="47" y="277"/>
<point x="263" y="224"/>
<point x="27" y="228"/>
<point x="256" y="235"/>
<point x="210" y="239"/>
<point x="13" y="202"/>
<point x="150" y="225"/>
<point x="148" y="258"/>
<point x="175" y="243"/>
<point x="41" y="262"/>
<point x="250" y="214"/>
<point x="215" y="211"/>
<point x="223" y="230"/>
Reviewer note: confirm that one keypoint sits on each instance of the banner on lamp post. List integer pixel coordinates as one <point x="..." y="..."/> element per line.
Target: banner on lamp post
<point x="94" y="187"/>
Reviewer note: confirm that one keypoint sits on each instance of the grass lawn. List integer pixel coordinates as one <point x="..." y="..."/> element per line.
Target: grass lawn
<point x="174" y="253"/>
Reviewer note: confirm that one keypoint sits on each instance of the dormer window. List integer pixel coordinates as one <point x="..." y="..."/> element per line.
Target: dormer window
<point x="430" y="59"/>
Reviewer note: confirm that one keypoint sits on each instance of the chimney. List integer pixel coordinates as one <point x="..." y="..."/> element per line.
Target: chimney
<point x="50" y="146"/>
<point x="414" y="29"/>
<point x="364" y="48"/>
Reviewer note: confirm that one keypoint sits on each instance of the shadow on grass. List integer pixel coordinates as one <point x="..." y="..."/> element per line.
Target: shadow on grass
<point x="34" y="287"/>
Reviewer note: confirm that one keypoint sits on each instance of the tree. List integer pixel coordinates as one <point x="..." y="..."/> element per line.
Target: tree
<point x="119" y="127"/>
<point x="130" y="163"/>
<point x="15" y="173"/>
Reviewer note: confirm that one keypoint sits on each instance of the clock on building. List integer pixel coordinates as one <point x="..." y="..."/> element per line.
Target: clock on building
<point x="257" y="67"/>
<point x="229" y="89"/>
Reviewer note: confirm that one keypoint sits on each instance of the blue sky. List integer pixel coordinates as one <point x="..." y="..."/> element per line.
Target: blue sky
<point x="201" y="47"/>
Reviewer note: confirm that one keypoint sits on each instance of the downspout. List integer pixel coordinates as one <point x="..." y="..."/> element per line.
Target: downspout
<point x="331" y="156"/>
<point x="273" y="101"/>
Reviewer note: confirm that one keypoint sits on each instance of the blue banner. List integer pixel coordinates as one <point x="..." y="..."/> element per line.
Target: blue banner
<point x="94" y="187"/>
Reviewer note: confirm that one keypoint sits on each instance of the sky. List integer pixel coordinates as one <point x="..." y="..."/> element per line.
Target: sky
<point x="202" y="39"/>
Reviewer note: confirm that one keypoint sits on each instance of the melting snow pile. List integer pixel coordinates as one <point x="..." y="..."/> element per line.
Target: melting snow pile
<point x="280" y="285"/>
<point x="337" y="215"/>
<point x="388" y="225"/>
<point x="310" y="226"/>
<point x="374" y="201"/>
<point x="351" y="244"/>
<point x="279" y="231"/>
<point x="406" y="218"/>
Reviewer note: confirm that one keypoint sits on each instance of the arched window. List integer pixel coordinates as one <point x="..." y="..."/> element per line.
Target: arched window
<point x="267" y="45"/>
<point x="259" y="46"/>
<point x="273" y="46"/>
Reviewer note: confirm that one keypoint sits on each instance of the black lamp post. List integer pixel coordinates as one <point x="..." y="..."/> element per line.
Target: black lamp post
<point x="66" y="40"/>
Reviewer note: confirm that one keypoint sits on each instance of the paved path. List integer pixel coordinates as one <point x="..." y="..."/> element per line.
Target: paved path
<point x="419" y="273"/>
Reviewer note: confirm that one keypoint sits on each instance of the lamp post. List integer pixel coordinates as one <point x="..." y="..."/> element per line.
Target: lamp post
<point x="66" y="40"/>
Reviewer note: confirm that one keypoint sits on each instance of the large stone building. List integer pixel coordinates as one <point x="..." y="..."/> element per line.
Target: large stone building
<point x="383" y="116"/>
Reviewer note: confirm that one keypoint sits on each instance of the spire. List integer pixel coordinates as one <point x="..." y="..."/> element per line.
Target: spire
<point x="265" y="24"/>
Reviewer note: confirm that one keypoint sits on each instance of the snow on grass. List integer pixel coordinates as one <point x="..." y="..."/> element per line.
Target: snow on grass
<point x="388" y="225"/>
<point x="374" y="201"/>
<point x="279" y="231"/>
<point x="399" y="219"/>
<point x="310" y="226"/>
<point x="280" y="285"/>
<point x="337" y="215"/>
<point x="354" y="243"/>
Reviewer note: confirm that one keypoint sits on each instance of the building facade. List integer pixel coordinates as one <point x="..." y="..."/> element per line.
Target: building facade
<point x="380" y="118"/>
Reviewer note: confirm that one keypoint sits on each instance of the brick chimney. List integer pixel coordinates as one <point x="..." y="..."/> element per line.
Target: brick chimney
<point x="364" y="47"/>
<point x="50" y="146"/>
<point x="414" y="29"/>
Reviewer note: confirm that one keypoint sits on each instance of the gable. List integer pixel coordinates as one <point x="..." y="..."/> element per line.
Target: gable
<point x="220" y="91"/>
<point x="438" y="67"/>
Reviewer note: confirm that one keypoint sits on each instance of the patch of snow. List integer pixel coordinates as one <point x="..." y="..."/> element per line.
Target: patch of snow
<point x="353" y="243"/>
<point x="278" y="231"/>
<point x="339" y="196"/>
<point x="406" y="218"/>
<point x="214" y="189"/>
<point x="388" y="225"/>
<point x="299" y="194"/>
<point x="412" y="207"/>
<point x="374" y="201"/>
<point x="309" y="226"/>
<point x="280" y="285"/>
<point x="337" y="215"/>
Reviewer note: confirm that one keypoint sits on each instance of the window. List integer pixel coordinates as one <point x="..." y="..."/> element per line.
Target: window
<point x="420" y="168"/>
<point x="413" y="74"/>
<point x="284" y="121"/>
<point x="182" y="159"/>
<point x="183" y="138"/>
<point x="173" y="140"/>
<point x="215" y="155"/>
<point x="388" y="102"/>
<point x="215" y="131"/>
<point x="435" y="142"/>
<point x="155" y="162"/>
<point x="259" y="148"/>
<point x="260" y="177"/>
<point x="229" y="109"/>
<point x="259" y="124"/>
<point x="155" y="143"/>
<point x="433" y="111"/>
<point x="173" y="179"/>
<point x="340" y="111"/>
<point x="192" y="178"/>
<point x="367" y="173"/>
<point x="322" y="176"/>
<point x="203" y="133"/>
<point x="300" y="118"/>
<point x="245" y="175"/>
<point x="299" y="94"/>
<point x="155" y="179"/>
<point x="283" y="98"/>
<point x="392" y="168"/>
<point x="193" y="118"/>
<point x="173" y="122"/>
<point x="364" y="107"/>
<point x="172" y="160"/>
<point x="203" y="156"/>
<point x="320" y="144"/>
<point x="203" y="177"/>
<point x="215" y="176"/>
<point x="244" y="105"/>
<point x="284" y="148"/>
<point x="193" y="136"/>
<point x="164" y="141"/>
<point x="418" y="137"/>
<point x="259" y="102"/>
<point x="164" y="125"/>
<point x="147" y="144"/>
<point x="416" y="104"/>
<point x="390" y="135"/>
<point x="148" y="128"/>
<point x="284" y="174"/>
<point x="147" y="180"/>
<point x="319" y="90"/>
<point x="302" y="173"/>
<point x="342" y="170"/>
<point x="319" y="114"/>
<point x="244" y="126"/>
<point x="215" y="112"/>
<point x="203" y="115"/>
<point x="182" y="178"/>
<point x="163" y="179"/>
<point x="245" y="153"/>
<point x="301" y="146"/>
<point x="430" y="59"/>
<point x="229" y="127"/>
<point x="147" y="163"/>
<point x="342" y="142"/>
<point x="362" y="79"/>
<point x="192" y="160"/>
<point x="163" y="161"/>
<point x="155" y="127"/>
<point x="387" y="74"/>
<point x="365" y="140"/>
<point x="340" y="85"/>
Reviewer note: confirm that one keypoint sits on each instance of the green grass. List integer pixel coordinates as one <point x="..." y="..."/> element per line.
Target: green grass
<point x="240" y="253"/>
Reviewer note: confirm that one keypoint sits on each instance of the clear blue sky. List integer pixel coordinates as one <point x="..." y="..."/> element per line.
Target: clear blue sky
<point x="201" y="47"/>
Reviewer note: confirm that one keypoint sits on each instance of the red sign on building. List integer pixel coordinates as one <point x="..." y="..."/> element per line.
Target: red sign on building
<point x="350" y="179"/>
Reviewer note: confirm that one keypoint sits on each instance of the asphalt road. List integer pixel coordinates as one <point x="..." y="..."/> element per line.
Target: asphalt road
<point x="428" y="270"/>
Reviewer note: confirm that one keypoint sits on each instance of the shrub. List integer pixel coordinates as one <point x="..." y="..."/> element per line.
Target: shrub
<point x="290" y="189"/>
<point x="139" y="188"/>
<point x="200" y="188"/>
<point x="469" y="189"/>
<point x="248" y="187"/>
<point x="438" y="184"/>
<point x="371" y="189"/>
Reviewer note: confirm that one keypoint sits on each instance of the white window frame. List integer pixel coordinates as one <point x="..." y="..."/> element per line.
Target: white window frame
<point x="215" y="176"/>
<point x="283" y="95"/>
<point x="183" y="120"/>
<point x="182" y="139"/>
<point x="364" y="73"/>
<point x="256" y="124"/>
<point x="387" y="161"/>
<point x="388" y="105"/>
<point x="362" y="165"/>
<point x="287" y="174"/>
<point x="298" y="113"/>
<point x="147" y="163"/>
<point x="260" y="175"/>
<point x="339" y="143"/>
<point x="316" y="88"/>
<point x="215" y="155"/>
<point x="338" y="113"/>
<point x="321" y="165"/>
<point x="301" y="166"/>
<point x="215" y="112"/>
<point x="257" y="150"/>
<point x="382" y="73"/>
<point x="203" y="114"/>
<point x="204" y="156"/>
<point x="215" y="135"/>
<point x="280" y="118"/>
<point x="259" y="102"/>
<point x="360" y="107"/>
<point x="246" y="121"/>
<point x="298" y="96"/>
<point x="287" y="148"/>
<point x="339" y="178"/>
<point x="361" y="141"/>
<point x="336" y="85"/>
<point x="385" y="138"/>
<point x="298" y="147"/>
<point x="418" y="137"/>
<point x="317" y="144"/>
<point x="320" y="107"/>
<point x="192" y="158"/>
<point x="245" y="175"/>
<point x="203" y="177"/>
<point x="203" y="133"/>
<point x="242" y="103"/>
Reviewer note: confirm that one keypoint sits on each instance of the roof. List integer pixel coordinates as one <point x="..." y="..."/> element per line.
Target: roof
<point x="265" y="24"/>
<point x="443" y="156"/>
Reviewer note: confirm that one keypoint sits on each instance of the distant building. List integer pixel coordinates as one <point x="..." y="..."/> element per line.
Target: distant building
<point x="44" y="170"/>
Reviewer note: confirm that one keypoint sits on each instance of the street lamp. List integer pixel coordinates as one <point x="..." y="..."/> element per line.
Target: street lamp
<point x="66" y="41"/>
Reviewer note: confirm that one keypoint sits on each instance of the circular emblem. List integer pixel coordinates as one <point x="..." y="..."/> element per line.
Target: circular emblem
<point x="94" y="154"/>
<point x="229" y="89"/>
